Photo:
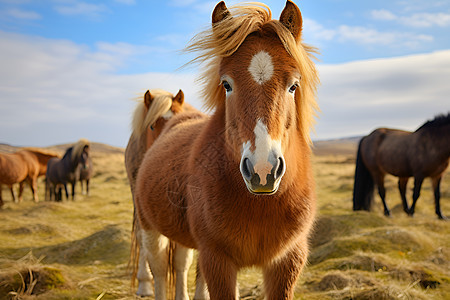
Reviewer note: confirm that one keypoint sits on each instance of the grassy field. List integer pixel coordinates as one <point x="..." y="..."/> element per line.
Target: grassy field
<point x="79" y="249"/>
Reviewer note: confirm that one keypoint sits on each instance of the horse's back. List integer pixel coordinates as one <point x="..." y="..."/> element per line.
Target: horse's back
<point x="388" y="150"/>
<point x="53" y="170"/>
<point x="160" y="198"/>
<point x="13" y="168"/>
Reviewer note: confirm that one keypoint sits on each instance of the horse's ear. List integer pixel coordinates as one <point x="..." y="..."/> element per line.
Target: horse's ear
<point x="148" y="99"/>
<point x="291" y="18"/>
<point x="179" y="97"/>
<point x="220" y="12"/>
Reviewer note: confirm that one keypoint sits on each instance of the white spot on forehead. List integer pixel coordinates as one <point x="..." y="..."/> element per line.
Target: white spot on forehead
<point x="261" y="67"/>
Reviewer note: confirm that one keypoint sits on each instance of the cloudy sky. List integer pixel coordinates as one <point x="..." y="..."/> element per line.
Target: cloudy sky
<point x="70" y="68"/>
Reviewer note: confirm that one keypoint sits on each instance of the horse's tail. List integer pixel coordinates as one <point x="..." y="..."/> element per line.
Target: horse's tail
<point x="134" y="253"/>
<point x="364" y="184"/>
<point x="172" y="272"/>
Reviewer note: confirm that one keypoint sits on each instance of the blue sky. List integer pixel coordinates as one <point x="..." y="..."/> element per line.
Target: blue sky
<point x="70" y="67"/>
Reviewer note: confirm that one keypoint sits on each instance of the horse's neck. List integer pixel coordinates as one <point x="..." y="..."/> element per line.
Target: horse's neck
<point x="439" y="140"/>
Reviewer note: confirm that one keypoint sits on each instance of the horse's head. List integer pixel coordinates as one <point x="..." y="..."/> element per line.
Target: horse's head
<point x="84" y="157"/>
<point x="160" y="106"/>
<point x="265" y="80"/>
<point x="80" y="153"/>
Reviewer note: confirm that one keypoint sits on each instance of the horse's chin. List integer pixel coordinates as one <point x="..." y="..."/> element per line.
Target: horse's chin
<point x="262" y="190"/>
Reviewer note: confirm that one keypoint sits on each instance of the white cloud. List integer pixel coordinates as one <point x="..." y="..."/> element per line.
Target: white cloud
<point x="383" y="14"/>
<point x="128" y="2"/>
<point x="364" y="35"/>
<point x="400" y="92"/>
<point x="56" y="91"/>
<point x="419" y="20"/>
<point x="74" y="8"/>
<point x="23" y="14"/>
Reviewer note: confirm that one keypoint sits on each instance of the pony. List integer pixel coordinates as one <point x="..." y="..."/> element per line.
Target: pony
<point x="419" y="154"/>
<point x="63" y="171"/>
<point x="238" y="185"/>
<point x="24" y="165"/>
<point x="149" y="118"/>
<point x="84" y="173"/>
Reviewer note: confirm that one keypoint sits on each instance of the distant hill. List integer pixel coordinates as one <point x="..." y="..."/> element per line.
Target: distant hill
<point x="96" y="147"/>
<point x="343" y="146"/>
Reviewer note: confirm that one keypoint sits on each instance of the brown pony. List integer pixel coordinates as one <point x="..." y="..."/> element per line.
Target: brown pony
<point x="420" y="154"/>
<point x="238" y="186"/>
<point x="24" y="165"/>
<point x="149" y="119"/>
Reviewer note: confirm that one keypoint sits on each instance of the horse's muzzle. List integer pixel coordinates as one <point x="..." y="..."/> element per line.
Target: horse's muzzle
<point x="263" y="178"/>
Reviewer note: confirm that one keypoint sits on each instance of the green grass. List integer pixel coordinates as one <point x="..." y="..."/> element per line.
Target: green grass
<point x="79" y="249"/>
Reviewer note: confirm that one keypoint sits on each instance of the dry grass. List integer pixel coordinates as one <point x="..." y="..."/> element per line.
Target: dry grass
<point x="80" y="249"/>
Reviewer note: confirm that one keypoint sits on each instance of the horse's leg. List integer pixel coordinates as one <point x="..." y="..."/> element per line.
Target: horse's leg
<point x="402" y="183"/>
<point x="13" y="195"/>
<point x="437" y="196"/>
<point x="1" y="199"/>
<point x="182" y="261"/>
<point x="281" y="275"/>
<point x="417" y="186"/>
<point x="201" y="289"/>
<point x="87" y="187"/>
<point x="67" y="192"/>
<point x="33" y="186"/>
<point x="143" y="275"/>
<point x="21" y="188"/>
<point x="220" y="274"/>
<point x="382" y="192"/>
<point x="73" y="190"/>
<point x="156" y="247"/>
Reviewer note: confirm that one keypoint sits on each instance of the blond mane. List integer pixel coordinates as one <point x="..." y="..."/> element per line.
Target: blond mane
<point x="225" y="37"/>
<point x="161" y="103"/>
<point x="78" y="148"/>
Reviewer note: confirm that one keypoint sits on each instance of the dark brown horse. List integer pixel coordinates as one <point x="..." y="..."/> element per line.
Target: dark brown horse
<point x="24" y="165"/>
<point x="420" y="154"/>
<point x="84" y="174"/>
<point x="238" y="186"/>
<point x="62" y="171"/>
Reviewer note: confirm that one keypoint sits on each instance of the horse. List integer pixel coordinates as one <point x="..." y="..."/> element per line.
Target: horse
<point x="63" y="171"/>
<point x="237" y="185"/>
<point x="84" y="173"/>
<point x="419" y="154"/>
<point x="149" y="118"/>
<point x="26" y="164"/>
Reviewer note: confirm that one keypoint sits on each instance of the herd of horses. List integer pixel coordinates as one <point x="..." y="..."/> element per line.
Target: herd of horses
<point x="27" y="164"/>
<point x="237" y="185"/>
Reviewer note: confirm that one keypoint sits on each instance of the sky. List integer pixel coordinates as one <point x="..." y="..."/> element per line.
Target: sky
<point x="70" y="69"/>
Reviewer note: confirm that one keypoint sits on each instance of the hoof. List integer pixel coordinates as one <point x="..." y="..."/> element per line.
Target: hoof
<point x="144" y="289"/>
<point x="387" y="213"/>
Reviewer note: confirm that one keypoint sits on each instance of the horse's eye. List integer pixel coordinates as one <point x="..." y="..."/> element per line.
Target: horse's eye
<point x="293" y="88"/>
<point x="227" y="86"/>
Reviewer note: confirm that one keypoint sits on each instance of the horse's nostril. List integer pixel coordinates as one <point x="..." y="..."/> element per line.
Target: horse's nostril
<point x="280" y="168"/>
<point x="247" y="169"/>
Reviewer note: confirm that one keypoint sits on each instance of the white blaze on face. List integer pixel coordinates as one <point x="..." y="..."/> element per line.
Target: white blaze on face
<point x="261" y="67"/>
<point x="264" y="147"/>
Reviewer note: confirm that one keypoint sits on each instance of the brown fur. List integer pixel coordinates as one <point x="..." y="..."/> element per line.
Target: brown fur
<point x="420" y="154"/>
<point x="148" y="124"/>
<point x="189" y="187"/>
<point x="24" y="165"/>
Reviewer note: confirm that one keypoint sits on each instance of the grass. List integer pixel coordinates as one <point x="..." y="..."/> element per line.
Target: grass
<point x="79" y="249"/>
